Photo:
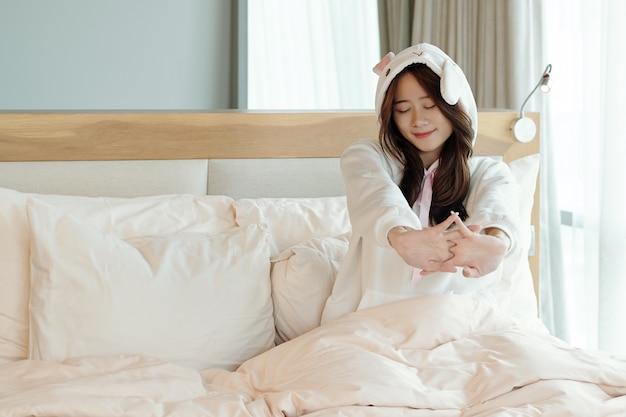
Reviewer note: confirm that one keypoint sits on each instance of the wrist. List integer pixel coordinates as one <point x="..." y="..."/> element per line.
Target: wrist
<point x="396" y="231"/>
<point x="500" y="234"/>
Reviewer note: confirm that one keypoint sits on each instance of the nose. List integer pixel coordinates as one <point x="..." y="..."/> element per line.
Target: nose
<point x="419" y="119"/>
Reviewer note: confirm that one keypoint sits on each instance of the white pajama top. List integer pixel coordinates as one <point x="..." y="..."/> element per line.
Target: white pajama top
<point x="372" y="273"/>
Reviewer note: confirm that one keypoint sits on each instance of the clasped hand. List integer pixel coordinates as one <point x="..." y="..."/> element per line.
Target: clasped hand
<point x="439" y="249"/>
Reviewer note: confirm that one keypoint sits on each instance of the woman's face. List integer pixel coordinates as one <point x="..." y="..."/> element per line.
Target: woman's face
<point x="419" y="119"/>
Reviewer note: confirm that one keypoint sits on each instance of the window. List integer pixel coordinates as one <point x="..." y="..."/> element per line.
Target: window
<point x="312" y="54"/>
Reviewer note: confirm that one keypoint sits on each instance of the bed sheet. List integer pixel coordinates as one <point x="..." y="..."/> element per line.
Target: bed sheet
<point x="439" y="356"/>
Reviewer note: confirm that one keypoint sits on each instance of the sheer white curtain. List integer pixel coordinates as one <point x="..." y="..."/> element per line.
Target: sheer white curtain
<point x="586" y="167"/>
<point x="312" y="54"/>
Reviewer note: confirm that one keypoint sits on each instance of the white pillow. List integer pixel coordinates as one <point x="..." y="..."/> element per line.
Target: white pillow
<point x="302" y="279"/>
<point x="516" y="269"/>
<point x="525" y="171"/>
<point x="122" y="217"/>
<point x="294" y="220"/>
<point x="195" y="299"/>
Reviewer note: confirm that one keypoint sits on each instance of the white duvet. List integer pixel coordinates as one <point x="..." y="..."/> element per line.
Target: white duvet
<point x="430" y="356"/>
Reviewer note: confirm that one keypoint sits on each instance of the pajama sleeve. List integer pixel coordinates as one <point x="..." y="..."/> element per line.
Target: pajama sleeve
<point x="375" y="202"/>
<point x="493" y="197"/>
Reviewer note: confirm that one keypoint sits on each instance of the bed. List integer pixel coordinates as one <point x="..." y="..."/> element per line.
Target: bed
<point x="176" y="263"/>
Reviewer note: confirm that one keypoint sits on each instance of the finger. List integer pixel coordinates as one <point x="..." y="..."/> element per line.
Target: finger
<point x="456" y="234"/>
<point x="443" y="226"/>
<point x="448" y="266"/>
<point x="469" y="272"/>
<point x="465" y="231"/>
<point x="441" y="267"/>
<point x="452" y="235"/>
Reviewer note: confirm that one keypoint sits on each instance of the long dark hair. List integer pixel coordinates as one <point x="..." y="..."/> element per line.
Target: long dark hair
<point x="452" y="180"/>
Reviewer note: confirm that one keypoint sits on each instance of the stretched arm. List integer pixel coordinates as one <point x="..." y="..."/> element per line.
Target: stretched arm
<point x="493" y="199"/>
<point x="375" y="201"/>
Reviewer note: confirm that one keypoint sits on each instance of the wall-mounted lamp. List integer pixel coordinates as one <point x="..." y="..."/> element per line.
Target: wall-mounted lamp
<point x="524" y="128"/>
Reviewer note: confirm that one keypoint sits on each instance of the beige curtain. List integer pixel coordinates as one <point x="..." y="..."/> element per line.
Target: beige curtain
<point x="395" y="19"/>
<point x="496" y="42"/>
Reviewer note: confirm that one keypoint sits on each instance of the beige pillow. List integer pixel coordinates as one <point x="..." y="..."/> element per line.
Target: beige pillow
<point x="122" y="217"/>
<point x="294" y="220"/>
<point x="302" y="279"/>
<point x="195" y="299"/>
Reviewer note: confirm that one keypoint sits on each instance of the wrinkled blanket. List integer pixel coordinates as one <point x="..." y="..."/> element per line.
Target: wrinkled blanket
<point x="430" y="356"/>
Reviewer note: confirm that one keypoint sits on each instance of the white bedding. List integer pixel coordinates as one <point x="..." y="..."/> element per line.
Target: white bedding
<point x="431" y="356"/>
<point x="196" y="283"/>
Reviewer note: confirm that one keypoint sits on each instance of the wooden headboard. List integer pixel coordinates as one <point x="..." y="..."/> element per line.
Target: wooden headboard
<point x="66" y="136"/>
<point x="114" y="136"/>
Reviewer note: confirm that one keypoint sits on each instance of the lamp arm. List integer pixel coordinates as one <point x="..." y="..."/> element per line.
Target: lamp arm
<point x="521" y="112"/>
<point x="541" y="80"/>
<point x="524" y="129"/>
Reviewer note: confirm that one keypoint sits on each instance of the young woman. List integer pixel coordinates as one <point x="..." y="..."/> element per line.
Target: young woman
<point x="411" y="193"/>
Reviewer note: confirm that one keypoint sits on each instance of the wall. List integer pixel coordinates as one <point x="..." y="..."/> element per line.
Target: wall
<point x="114" y="54"/>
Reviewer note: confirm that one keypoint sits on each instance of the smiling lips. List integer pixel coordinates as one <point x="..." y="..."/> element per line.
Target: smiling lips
<point x="423" y="135"/>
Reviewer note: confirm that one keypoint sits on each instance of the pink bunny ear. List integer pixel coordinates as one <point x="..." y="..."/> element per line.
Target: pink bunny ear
<point x="378" y="69"/>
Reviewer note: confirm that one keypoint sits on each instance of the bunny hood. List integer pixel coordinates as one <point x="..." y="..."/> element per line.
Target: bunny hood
<point x="454" y="85"/>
